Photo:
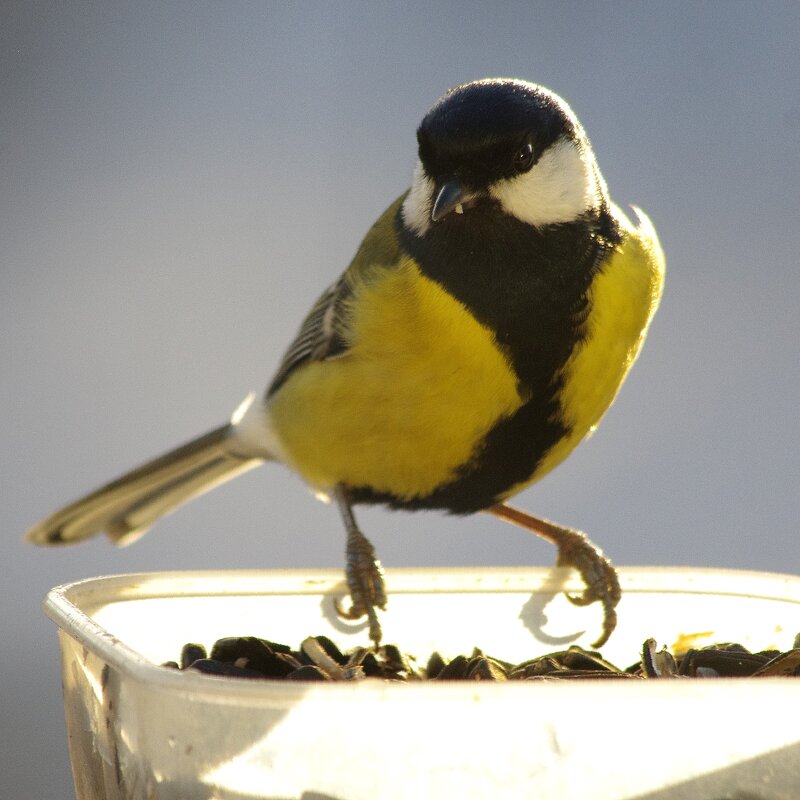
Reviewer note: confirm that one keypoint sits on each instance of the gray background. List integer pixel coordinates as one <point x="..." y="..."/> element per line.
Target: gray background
<point x="179" y="181"/>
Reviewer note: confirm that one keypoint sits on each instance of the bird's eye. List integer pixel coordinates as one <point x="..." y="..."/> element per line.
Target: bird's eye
<point x="523" y="158"/>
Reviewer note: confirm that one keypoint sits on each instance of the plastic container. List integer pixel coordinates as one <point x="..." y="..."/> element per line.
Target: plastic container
<point x="137" y="730"/>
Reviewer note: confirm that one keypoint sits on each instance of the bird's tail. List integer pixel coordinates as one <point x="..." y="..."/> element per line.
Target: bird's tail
<point x="125" y="508"/>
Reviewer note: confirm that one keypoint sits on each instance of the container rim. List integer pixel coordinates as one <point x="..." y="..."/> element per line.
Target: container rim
<point x="65" y="605"/>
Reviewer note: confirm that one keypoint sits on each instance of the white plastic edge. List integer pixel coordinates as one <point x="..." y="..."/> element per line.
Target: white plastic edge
<point x="65" y="605"/>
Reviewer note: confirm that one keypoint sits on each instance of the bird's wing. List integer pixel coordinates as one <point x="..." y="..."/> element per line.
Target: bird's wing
<point x="320" y="334"/>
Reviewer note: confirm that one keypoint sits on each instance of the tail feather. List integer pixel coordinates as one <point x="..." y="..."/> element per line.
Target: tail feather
<point x="126" y="508"/>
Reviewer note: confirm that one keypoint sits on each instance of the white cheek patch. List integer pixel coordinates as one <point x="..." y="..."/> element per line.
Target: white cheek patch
<point x="418" y="204"/>
<point x="560" y="187"/>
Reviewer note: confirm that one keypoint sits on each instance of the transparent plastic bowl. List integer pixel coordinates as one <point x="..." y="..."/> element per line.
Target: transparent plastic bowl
<point x="137" y="730"/>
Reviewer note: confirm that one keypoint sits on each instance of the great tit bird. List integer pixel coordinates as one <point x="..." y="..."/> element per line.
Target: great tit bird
<point x="483" y="328"/>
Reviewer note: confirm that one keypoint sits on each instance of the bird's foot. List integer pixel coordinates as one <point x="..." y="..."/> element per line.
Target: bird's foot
<point x="576" y="550"/>
<point x="602" y="583"/>
<point x="363" y="572"/>
<point x="365" y="581"/>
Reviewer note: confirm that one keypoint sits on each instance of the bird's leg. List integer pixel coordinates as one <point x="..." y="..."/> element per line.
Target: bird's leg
<point x="575" y="549"/>
<point x="363" y="572"/>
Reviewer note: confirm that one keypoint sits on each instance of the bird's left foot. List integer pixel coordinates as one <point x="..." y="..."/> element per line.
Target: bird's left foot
<point x="602" y="583"/>
<point x="576" y="550"/>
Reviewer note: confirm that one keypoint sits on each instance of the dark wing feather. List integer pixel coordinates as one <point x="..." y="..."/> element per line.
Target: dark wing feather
<point x="319" y="336"/>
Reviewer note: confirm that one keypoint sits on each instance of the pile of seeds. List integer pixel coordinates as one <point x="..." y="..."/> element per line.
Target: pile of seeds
<point x="319" y="659"/>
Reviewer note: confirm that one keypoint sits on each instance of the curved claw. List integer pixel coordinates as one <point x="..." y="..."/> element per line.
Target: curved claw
<point x="357" y="612"/>
<point x="609" y="612"/>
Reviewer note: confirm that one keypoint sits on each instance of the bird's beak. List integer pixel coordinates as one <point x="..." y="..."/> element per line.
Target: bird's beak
<point x="452" y="197"/>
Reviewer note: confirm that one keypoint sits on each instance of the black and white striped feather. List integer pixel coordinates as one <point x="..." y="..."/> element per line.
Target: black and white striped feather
<point x="320" y="335"/>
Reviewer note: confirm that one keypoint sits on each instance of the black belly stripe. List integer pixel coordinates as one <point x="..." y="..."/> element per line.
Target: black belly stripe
<point x="530" y="287"/>
<point x="507" y="456"/>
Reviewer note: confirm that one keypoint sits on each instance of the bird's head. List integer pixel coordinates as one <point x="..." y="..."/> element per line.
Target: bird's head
<point x="502" y="143"/>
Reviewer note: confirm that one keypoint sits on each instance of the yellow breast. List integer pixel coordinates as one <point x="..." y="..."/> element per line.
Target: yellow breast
<point x="420" y="385"/>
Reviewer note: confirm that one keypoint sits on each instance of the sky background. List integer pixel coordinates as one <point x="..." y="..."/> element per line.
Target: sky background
<point x="179" y="181"/>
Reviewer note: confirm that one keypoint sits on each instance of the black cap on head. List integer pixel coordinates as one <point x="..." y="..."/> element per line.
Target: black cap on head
<point x="475" y="129"/>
